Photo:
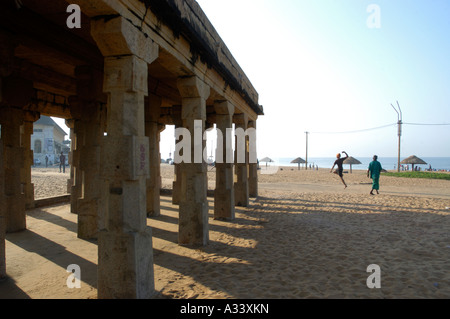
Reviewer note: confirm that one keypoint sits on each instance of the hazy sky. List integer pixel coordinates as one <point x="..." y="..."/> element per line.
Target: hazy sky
<point x="318" y="67"/>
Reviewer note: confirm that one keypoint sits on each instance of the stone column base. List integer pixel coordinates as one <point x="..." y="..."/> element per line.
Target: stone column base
<point x="193" y="224"/>
<point x="87" y="218"/>
<point x="125" y="269"/>
<point x="224" y="205"/>
<point x="16" y="220"/>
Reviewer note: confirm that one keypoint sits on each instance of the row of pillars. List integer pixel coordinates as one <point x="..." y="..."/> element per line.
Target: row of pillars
<point x="87" y="131"/>
<point x="115" y="183"/>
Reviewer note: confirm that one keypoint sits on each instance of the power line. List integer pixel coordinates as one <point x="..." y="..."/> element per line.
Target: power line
<point x="356" y="131"/>
<point x="427" y="124"/>
<point x="380" y="127"/>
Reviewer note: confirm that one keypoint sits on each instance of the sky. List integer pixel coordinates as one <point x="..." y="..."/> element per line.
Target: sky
<point x="319" y="67"/>
<point x="333" y="69"/>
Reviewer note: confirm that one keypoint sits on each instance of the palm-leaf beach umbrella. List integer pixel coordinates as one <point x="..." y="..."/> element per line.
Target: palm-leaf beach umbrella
<point x="267" y="160"/>
<point x="298" y="161"/>
<point x="352" y="161"/>
<point x="413" y="160"/>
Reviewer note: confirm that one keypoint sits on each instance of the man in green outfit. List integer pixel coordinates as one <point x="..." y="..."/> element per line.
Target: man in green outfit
<point x="374" y="173"/>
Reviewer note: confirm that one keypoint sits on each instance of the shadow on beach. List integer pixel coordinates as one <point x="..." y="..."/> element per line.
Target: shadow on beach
<point x="286" y="244"/>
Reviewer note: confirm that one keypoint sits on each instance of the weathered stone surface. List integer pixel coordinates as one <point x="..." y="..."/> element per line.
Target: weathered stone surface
<point x="153" y="131"/>
<point x="2" y="213"/>
<point x="176" y="185"/>
<point x="193" y="220"/>
<point x="85" y="168"/>
<point x="125" y="246"/>
<point x="253" y="168"/>
<point x="117" y="37"/>
<point x="224" y="193"/>
<point x="77" y="142"/>
<point x="241" y="190"/>
<point x="11" y="120"/>
<point x="16" y="92"/>
<point x="25" y="172"/>
<point x="126" y="270"/>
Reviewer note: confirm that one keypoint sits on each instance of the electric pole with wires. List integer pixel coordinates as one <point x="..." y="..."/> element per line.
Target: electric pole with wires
<point x="306" y="164"/>
<point x="400" y="122"/>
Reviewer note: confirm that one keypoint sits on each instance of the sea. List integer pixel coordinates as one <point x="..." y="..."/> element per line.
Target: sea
<point x="388" y="163"/>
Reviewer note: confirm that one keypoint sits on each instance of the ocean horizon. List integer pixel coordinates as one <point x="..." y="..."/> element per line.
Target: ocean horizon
<point x="388" y="163"/>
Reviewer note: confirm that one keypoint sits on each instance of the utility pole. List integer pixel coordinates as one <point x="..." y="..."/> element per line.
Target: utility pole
<point x="400" y="122"/>
<point x="306" y="164"/>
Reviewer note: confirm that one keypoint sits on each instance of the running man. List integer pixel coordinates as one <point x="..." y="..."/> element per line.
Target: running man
<point x="340" y="169"/>
<point x="374" y="173"/>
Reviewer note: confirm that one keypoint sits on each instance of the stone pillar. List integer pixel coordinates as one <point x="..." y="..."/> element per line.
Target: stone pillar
<point x="11" y="120"/>
<point x="241" y="190"/>
<point x="2" y="212"/>
<point x="153" y="131"/>
<point x="176" y="185"/>
<point x="89" y="135"/>
<point x="28" y="158"/>
<point x="76" y="132"/>
<point x="252" y="165"/>
<point x="125" y="257"/>
<point x="15" y="93"/>
<point x="6" y="68"/>
<point x="193" y="220"/>
<point x="224" y="207"/>
<point x="72" y="136"/>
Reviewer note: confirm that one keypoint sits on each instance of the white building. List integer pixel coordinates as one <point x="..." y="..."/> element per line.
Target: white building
<point x="48" y="140"/>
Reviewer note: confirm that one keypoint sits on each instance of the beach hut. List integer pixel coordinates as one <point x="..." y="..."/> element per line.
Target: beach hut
<point x="352" y="161"/>
<point x="298" y="161"/>
<point x="413" y="160"/>
<point x="267" y="160"/>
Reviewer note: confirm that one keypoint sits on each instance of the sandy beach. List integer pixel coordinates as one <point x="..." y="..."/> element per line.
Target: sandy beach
<point x="305" y="236"/>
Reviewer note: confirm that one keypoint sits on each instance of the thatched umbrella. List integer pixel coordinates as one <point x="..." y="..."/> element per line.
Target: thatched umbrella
<point x="413" y="160"/>
<point x="267" y="160"/>
<point x="298" y="161"/>
<point x="352" y="161"/>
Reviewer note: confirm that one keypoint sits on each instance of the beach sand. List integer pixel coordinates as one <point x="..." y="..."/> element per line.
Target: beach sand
<point x="305" y="236"/>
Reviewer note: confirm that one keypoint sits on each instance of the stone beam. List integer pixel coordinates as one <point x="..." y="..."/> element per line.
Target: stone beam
<point x="179" y="54"/>
<point x="7" y="47"/>
<point x="35" y="31"/>
<point x="44" y="76"/>
<point x="50" y="104"/>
